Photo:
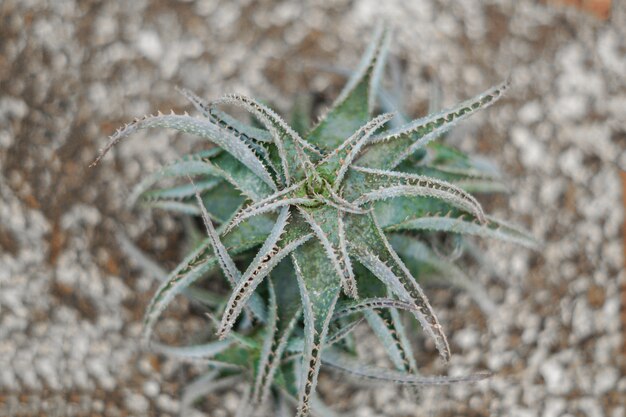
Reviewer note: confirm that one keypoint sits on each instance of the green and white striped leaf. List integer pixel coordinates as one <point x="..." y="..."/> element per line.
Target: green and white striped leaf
<point x="327" y="224"/>
<point x="197" y="265"/>
<point x="379" y="185"/>
<point x="389" y="150"/>
<point x="465" y="225"/>
<point x="274" y="249"/>
<point x="319" y="291"/>
<point x="420" y="258"/>
<point x="342" y="362"/>
<point x="203" y="128"/>
<point x="200" y="295"/>
<point x="203" y="351"/>
<point x="203" y="386"/>
<point x="370" y="246"/>
<point x="353" y="106"/>
<point x="288" y="142"/>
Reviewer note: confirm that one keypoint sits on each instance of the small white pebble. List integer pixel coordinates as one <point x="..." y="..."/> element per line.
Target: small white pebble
<point x="151" y="388"/>
<point x="149" y="45"/>
<point x="137" y="403"/>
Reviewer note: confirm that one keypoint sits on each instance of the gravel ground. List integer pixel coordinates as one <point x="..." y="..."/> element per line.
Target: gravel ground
<point x="71" y="303"/>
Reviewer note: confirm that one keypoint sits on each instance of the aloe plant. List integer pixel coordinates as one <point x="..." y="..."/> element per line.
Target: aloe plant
<point x="318" y="230"/>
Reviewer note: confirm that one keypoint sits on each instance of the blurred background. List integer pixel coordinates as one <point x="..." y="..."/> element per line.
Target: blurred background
<point x="71" y="301"/>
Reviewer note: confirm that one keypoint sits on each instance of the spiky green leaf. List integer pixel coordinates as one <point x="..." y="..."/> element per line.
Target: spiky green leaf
<point x="203" y="128"/>
<point x="390" y="149"/>
<point x="319" y="289"/>
<point x="346" y="364"/>
<point x="370" y="246"/>
<point x="353" y="106"/>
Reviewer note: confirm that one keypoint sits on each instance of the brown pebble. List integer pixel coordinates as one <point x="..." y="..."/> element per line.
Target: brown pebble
<point x="596" y="296"/>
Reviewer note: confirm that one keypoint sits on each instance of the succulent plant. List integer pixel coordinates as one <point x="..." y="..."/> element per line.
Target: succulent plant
<point x="319" y="230"/>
